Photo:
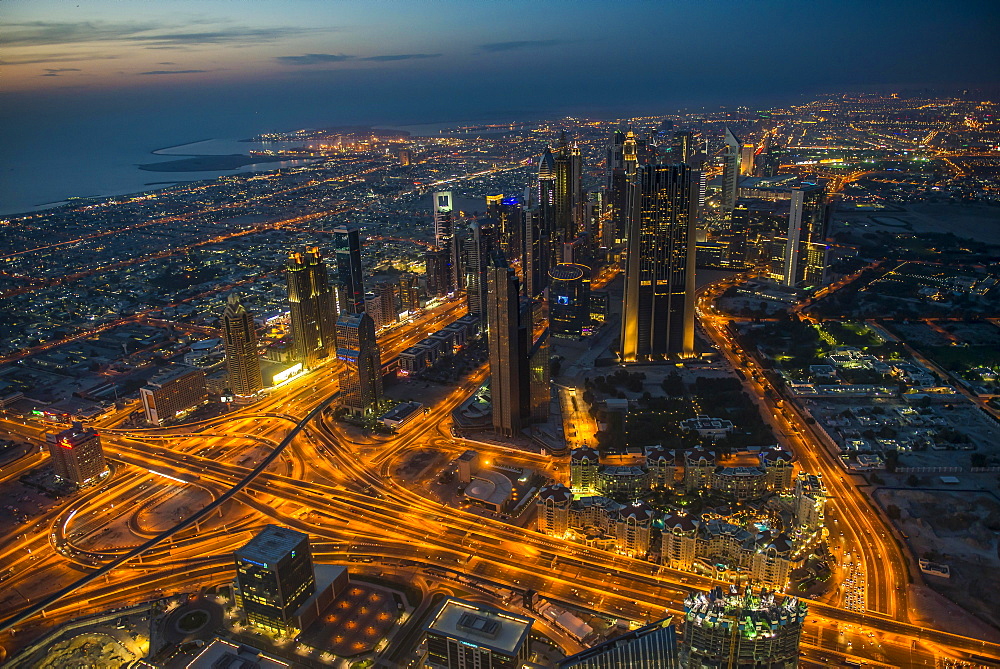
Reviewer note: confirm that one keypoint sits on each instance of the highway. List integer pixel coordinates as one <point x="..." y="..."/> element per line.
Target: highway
<point x="285" y="460"/>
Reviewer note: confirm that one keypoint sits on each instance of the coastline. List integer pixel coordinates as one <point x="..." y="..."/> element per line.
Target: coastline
<point x="156" y="152"/>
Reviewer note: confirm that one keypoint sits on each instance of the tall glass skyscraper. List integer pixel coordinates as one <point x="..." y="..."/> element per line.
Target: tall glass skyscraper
<point x="658" y="306"/>
<point x="274" y="577"/>
<point x="313" y="310"/>
<point x="240" y="339"/>
<point x="347" y="245"/>
<point x="361" y="377"/>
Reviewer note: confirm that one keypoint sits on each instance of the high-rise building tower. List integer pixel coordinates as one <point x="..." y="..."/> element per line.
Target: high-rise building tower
<point x="240" y="338"/>
<point x="509" y="215"/>
<point x="438" y="272"/>
<point x="361" y="377"/>
<point x="730" y="171"/>
<point x="540" y="379"/>
<point x="803" y="259"/>
<point x="507" y="337"/>
<point x="443" y="221"/>
<point x="683" y="146"/>
<point x="569" y="300"/>
<point x="730" y="628"/>
<point x="274" y="577"/>
<point x="651" y="647"/>
<point x="77" y="456"/>
<point x="313" y="311"/>
<point x="658" y="305"/>
<point x="747" y="159"/>
<point x="409" y="293"/>
<point x="347" y="242"/>
<point x="479" y="245"/>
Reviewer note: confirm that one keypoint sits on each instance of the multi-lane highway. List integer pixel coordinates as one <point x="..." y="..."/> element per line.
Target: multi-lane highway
<point x="338" y="489"/>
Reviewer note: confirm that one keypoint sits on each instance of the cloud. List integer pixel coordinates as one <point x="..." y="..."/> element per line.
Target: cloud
<point x="174" y="72"/>
<point x="520" y="44"/>
<point x="403" y="56"/>
<point x="154" y="35"/>
<point x="56" y="71"/>
<point x="55" y="58"/>
<point x="313" y="59"/>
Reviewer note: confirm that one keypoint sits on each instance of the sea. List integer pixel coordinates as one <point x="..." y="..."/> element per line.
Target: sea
<point x="56" y="167"/>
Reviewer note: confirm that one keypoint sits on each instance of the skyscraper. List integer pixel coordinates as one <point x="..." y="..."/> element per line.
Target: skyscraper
<point x="478" y="246"/>
<point x="540" y="379"/>
<point x="747" y="159"/>
<point x="361" y="377"/>
<point x="803" y="249"/>
<point x="347" y="244"/>
<point x="313" y="312"/>
<point x="443" y="222"/>
<point x="730" y="171"/>
<point x="409" y="293"/>
<point x="438" y="272"/>
<point x="658" y="305"/>
<point x="683" y="146"/>
<point x="509" y="217"/>
<point x="240" y="339"/>
<point x="651" y="647"/>
<point x="507" y="336"/>
<point x="569" y="300"/>
<point x="741" y="629"/>
<point x="77" y="456"/>
<point x="274" y="577"/>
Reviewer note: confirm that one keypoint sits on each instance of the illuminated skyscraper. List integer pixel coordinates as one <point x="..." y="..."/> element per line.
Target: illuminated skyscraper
<point x="730" y="171"/>
<point x="361" y="377"/>
<point x="747" y="159"/>
<point x="507" y="336"/>
<point x="683" y="146"/>
<point x="274" y="578"/>
<point x="478" y="246"/>
<point x="438" y="272"/>
<point x="77" y="456"/>
<point x="242" y="361"/>
<point x="347" y="243"/>
<point x="409" y="293"/>
<point x="443" y="222"/>
<point x="569" y="300"/>
<point x="730" y="628"/>
<point x="509" y="215"/>
<point x="658" y="306"/>
<point x="313" y="311"/>
<point x="799" y="257"/>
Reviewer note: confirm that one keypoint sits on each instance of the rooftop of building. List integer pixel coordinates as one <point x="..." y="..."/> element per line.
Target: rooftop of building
<point x="222" y="654"/>
<point x="172" y="374"/>
<point x="271" y="544"/>
<point x="481" y="625"/>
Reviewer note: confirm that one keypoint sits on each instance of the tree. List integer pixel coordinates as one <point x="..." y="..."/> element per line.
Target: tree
<point x="912" y="481"/>
<point x="893" y="512"/>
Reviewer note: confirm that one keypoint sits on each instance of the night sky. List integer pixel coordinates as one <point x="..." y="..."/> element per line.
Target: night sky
<point x="428" y="57"/>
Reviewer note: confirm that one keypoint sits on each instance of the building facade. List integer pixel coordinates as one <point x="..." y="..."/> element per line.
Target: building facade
<point x="173" y="393"/>
<point x="274" y="578"/>
<point x="242" y="360"/>
<point x="469" y="635"/>
<point x="361" y="376"/>
<point x="658" y="304"/>
<point x="77" y="455"/>
<point x="313" y="307"/>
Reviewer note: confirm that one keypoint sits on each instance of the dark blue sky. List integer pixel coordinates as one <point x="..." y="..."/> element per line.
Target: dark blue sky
<point x="292" y="63"/>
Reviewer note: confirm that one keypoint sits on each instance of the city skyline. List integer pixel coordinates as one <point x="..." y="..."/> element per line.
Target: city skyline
<point x="672" y="339"/>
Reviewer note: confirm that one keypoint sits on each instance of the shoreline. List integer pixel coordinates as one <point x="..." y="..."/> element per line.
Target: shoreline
<point x="211" y="163"/>
<point x="156" y="152"/>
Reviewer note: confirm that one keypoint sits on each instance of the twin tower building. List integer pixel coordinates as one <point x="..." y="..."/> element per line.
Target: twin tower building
<point x="324" y="322"/>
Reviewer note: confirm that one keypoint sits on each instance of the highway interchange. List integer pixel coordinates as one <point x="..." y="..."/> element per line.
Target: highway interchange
<point x="339" y="488"/>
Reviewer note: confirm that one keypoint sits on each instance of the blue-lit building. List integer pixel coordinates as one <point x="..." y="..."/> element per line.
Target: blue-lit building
<point x="274" y="578"/>
<point x="569" y="300"/>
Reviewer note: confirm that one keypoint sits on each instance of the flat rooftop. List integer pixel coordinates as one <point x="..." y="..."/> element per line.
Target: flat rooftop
<point x="272" y="544"/>
<point x="481" y="625"/>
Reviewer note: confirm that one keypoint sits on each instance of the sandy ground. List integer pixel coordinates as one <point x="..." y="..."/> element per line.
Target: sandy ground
<point x="971" y="221"/>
